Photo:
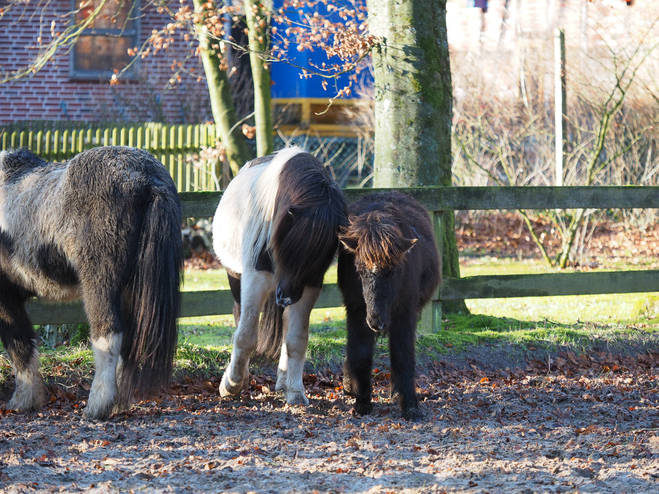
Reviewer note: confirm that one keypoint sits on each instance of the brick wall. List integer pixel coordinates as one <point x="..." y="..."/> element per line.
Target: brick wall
<point x="51" y="95"/>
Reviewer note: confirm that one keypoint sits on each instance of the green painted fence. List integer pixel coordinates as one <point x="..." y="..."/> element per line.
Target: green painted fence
<point x="174" y="145"/>
<point x="440" y="200"/>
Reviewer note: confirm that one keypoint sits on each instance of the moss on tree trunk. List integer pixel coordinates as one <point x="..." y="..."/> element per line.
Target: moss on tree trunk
<point x="414" y="104"/>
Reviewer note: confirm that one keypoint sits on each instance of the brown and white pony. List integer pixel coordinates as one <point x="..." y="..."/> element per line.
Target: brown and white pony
<point x="275" y="231"/>
<point x="388" y="269"/>
<point x="105" y="227"/>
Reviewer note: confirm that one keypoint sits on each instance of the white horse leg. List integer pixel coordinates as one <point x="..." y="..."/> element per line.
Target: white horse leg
<point x="30" y="392"/>
<point x="103" y="395"/>
<point x="294" y="349"/>
<point x="254" y="287"/>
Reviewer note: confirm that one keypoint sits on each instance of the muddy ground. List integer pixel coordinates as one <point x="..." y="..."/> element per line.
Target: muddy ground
<point x="495" y="422"/>
<point x="587" y="424"/>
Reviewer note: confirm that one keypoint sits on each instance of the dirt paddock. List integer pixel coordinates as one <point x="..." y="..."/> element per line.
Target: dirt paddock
<point x="589" y="425"/>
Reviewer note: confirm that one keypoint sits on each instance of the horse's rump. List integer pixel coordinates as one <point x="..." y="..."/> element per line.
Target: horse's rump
<point x="104" y="226"/>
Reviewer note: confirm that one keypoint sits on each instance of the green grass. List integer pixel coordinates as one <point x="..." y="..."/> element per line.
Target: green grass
<point x="576" y="322"/>
<point x="577" y="309"/>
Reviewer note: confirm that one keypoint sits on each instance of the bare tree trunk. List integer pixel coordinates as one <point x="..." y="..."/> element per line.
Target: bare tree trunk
<point x="414" y="103"/>
<point x="222" y="105"/>
<point x="258" y="25"/>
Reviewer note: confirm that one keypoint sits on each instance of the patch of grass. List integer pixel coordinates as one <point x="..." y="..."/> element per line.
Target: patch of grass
<point x="579" y="323"/>
<point x="211" y="279"/>
<point x="198" y="359"/>
<point x="460" y="332"/>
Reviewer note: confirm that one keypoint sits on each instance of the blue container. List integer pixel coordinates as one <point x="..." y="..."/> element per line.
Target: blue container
<point x="287" y="79"/>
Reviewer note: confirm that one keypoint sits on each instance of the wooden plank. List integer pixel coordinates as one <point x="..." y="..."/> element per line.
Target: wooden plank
<point x="552" y="284"/>
<point x="195" y="304"/>
<point x="330" y="296"/>
<point x="475" y="198"/>
<point x="487" y="198"/>
<point x="219" y="302"/>
<point x="55" y="313"/>
<point x="199" y="204"/>
<point x="207" y="303"/>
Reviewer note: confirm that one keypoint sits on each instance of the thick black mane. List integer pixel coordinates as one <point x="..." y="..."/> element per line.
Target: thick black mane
<point x="310" y="208"/>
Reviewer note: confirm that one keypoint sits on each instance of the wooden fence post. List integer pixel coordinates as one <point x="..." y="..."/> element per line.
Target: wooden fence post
<point x="431" y="316"/>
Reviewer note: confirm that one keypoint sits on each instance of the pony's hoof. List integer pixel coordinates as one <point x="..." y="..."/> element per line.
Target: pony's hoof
<point x="281" y="383"/>
<point x="229" y="389"/>
<point x="28" y="400"/>
<point x="413" y="414"/>
<point x="347" y="386"/>
<point x="97" y="413"/>
<point x="363" y="407"/>
<point x="296" y="398"/>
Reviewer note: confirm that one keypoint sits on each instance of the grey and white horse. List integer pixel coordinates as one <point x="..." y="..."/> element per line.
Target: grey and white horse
<point x="105" y="227"/>
<point x="275" y="232"/>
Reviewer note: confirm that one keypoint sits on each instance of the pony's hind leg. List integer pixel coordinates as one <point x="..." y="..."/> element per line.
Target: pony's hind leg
<point x="103" y="311"/>
<point x="255" y="285"/>
<point x="294" y="349"/>
<point x="20" y="342"/>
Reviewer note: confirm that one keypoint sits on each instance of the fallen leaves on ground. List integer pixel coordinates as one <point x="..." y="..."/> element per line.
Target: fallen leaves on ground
<point x="570" y="424"/>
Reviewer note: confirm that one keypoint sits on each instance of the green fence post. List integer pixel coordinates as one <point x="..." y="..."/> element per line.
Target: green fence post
<point x="431" y="315"/>
<point x="47" y="146"/>
<point x="38" y="143"/>
<point x="163" y="144"/>
<point x="180" y="157"/>
<point x="55" y="144"/>
<point x="64" y="148"/>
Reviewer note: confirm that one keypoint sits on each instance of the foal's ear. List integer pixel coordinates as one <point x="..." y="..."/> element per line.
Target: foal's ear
<point x="408" y="243"/>
<point x="349" y="243"/>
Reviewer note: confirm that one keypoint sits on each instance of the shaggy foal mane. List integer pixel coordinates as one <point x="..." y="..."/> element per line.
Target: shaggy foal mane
<point x="376" y="238"/>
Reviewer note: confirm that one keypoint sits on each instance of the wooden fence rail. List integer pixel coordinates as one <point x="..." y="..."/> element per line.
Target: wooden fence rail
<point x="440" y="200"/>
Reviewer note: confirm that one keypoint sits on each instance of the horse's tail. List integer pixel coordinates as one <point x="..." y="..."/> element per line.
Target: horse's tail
<point x="153" y="300"/>
<point x="271" y="328"/>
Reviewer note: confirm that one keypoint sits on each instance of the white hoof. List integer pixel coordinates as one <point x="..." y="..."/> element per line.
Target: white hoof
<point x="229" y="388"/>
<point x="28" y="398"/>
<point x="101" y="403"/>
<point x="296" y="398"/>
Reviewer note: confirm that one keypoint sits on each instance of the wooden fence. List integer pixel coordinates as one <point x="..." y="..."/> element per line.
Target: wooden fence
<point x="440" y="200"/>
<point x="176" y="146"/>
